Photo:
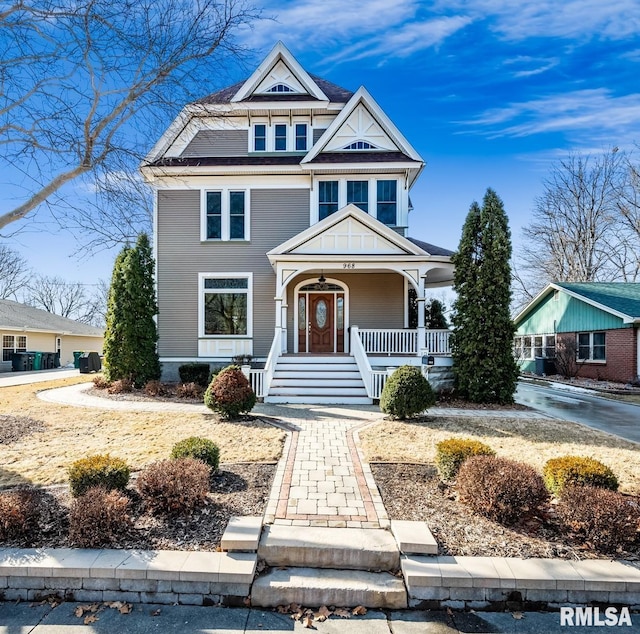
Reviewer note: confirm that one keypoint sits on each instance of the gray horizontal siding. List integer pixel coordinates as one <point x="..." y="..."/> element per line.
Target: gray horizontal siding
<point x="276" y="215"/>
<point x="218" y="143"/>
<point x="317" y="133"/>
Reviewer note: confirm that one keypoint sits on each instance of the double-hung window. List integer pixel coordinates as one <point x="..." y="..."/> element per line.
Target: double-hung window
<point x="280" y="137"/>
<point x="301" y="137"/>
<point x="327" y="198"/>
<point x="259" y="137"/>
<point x="592" y="346"/>
<point x="358" y="194"/>
<point x="226" y="215"/>
<point x="12" y="344"/>
<point x="226" y="305"/>
<point x="387" y="202"/>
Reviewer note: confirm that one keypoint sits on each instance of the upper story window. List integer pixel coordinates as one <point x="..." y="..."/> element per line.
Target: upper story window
<point x="280" y="88"/>
<point x="225" y="215"/>
<point x="358" y="194"/>
<point x="260" y="137"/>
<point x="360" y="145"/>
<point x="301" y="137"/>
<point x="387" y="201"/>
<point x="280" y="137"/>
<point x="327" y="198"/>
<point x="591" y="346"/>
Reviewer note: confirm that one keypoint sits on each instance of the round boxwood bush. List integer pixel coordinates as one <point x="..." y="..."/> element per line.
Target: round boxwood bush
<point x="229" y="393"/>
<point x="98" y="471"/>
<point x="561" y="472"/>
<point x="406" y="393"/>
<point x="451" y="453"/>
<point x="500" y="489"/>
<point x="198" y="448"/>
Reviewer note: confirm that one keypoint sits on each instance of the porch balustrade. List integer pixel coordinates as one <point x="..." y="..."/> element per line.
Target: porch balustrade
<point x="404" y="341"/>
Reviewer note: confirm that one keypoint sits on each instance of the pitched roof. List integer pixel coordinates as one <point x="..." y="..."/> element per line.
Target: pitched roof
<point x="431" y="249"/>
<point x="622" y="297"/>
<point x="16" y="316"/>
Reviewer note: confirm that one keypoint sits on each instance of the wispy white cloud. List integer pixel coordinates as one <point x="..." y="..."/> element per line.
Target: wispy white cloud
<point x="586" y="115"/>
<point x="526" y="66"/>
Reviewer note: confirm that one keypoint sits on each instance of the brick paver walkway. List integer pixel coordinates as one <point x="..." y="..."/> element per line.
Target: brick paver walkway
<point x="322" y="479"/>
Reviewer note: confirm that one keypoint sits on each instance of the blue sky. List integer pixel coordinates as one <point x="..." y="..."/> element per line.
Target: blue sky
<point x="489" y="92"/>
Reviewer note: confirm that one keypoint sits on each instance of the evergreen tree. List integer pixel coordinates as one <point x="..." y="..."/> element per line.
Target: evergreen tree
<point x="434" y="315"/>
<point x="131" y="335"/>
<point x="484" y="366"/>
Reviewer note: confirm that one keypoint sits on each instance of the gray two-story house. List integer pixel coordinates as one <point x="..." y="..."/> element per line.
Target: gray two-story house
<point x="281" y="233"/>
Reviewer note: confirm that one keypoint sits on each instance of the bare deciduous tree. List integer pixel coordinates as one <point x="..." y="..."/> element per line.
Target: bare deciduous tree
<point x="84" y="85"/>
<point x="14" y="273"/>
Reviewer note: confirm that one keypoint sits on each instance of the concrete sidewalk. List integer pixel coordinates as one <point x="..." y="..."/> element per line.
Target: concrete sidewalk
<point x="23" y="618"/>
<point x="8" y="379"/>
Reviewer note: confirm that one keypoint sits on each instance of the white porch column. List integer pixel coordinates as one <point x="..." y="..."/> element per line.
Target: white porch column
<point x="281" y="309"/>
<point x="422" y="331"/>
<point x="283" y="320"/>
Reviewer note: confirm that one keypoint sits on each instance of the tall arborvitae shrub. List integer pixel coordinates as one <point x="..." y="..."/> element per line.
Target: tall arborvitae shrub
<point x="434" y="315"/>
<point x="484" y="365"/>
<point x="131" y="335"/>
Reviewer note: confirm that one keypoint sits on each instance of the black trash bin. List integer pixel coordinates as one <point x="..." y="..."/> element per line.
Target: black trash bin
<point x="19" y="362"/>
<point x="89" y="362"/>
<point x="539" y="366"/>
<point x="549" y="367"/>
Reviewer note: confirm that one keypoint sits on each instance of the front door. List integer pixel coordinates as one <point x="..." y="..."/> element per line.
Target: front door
<point x="321" y="330"/>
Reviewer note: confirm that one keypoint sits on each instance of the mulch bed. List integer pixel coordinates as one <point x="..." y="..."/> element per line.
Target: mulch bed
<point x="236" y="489"/>
<point x="414" y="492"/>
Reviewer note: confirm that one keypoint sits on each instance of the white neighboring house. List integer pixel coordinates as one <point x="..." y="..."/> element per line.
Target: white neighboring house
<point x="282" y="233"/>
<point x="25" y="328"/>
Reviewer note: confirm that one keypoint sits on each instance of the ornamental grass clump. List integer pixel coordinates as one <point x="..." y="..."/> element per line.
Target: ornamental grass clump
<point x="406" y="393"/>
<point x="608" y="520"/>
<point x="561" y="472"/>
<point x="174" y="487"/>
<point x="99" y="470"/>
<point x="451" y="453"/>
<point x="230" y="394"/>
<point x="98" y="518"/>
<point x="501" y="490"/>
<point x="198" y="448"/>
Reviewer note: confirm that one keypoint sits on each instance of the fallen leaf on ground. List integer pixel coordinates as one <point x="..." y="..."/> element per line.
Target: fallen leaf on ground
<point x="90" y="618"/>
<point x="125" y="609"/>
<point x="517" y="615"/>
<point x="360" y="610"/>
<point x="342" y="613"/>
<point x="308" y="622"/>
<point x="156" y="613"/>
<point x="322" y="614"/>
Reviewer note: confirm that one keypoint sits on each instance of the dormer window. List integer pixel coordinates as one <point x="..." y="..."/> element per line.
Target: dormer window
<point x="281" y="137"/>
<point x="360" y="145"/>
<point x="280" y="88"/>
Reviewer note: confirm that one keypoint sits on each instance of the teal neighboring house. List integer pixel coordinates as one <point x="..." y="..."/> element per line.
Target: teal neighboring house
<point x="590" y="326"/>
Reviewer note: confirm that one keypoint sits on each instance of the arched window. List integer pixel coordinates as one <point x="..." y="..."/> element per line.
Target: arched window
<point x="280" y="88"/>
<point x="360" y="145"/>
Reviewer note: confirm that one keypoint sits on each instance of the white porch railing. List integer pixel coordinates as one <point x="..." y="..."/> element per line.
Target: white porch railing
<point x="378" y="379"/>
<point x="438" y="342"/>
<point x="360" y="357"/>
<point x="272" y="360"/>
<point x="388" y="341"/>
<point x="256" y="379"/>
<point x="403" y="341"/>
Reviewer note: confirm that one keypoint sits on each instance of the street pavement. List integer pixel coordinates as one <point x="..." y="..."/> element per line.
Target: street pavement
<point x="8" y="379"/>
<point x="577" y="405"/>
<point x="23" y="618"/>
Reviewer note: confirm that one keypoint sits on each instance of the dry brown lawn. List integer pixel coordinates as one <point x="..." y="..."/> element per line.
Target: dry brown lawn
<point x="67" y="433"/>
<point x="530" y="440"/>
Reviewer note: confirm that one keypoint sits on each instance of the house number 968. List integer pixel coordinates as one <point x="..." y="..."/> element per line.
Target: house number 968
<point x="349" y="265"/>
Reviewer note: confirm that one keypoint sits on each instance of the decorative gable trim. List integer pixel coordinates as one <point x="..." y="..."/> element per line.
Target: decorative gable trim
<point x="352" y="117"/>
<point x="279" y="67"/>
<point x="350" y="231"/>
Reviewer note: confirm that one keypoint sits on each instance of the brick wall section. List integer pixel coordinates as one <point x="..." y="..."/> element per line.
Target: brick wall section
<point x="622" y="355"/>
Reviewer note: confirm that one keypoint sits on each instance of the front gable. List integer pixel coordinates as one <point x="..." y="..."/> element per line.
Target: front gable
<point x="349" y="231"/>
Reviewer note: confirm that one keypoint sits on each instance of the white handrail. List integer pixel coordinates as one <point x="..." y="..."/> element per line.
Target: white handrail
<point x="360" y="357"/>
<point x="389" y="340"/>
<point x="272" y="360"/>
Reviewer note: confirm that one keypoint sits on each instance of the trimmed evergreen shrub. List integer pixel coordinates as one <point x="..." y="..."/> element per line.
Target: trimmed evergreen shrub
<point x="99" y="470"/>
<point x="561" y="472"/>
<point x="98" y="517"/>
<point x="451" y="453"/>
<point x="174" y="487"/>
<point x="230" y="394"/>
<point x="406" y="393"/>
<point x="500" y="489"/>
<point x="19" y="512"/>
<point x="607" y="519"/>
<point x="198" y="448"/>
<point x="195" y="373"/>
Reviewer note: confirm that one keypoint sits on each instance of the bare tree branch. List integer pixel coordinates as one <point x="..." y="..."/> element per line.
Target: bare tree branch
<point x="14" y="273"/>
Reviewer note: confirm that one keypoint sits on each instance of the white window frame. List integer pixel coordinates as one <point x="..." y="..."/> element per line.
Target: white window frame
<point x="201" y="294"/>
<point x="15" y="348"/>
<point x="225" y="232"/>
<point x="401" y="203"/>
<point x="590" y="359"/>
<point x="270" y="131"/>
<point x="519" y="349"/>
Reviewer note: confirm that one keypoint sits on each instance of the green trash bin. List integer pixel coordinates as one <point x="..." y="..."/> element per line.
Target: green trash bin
<point x="76" y="358"/>
<point x="37" y="361"/>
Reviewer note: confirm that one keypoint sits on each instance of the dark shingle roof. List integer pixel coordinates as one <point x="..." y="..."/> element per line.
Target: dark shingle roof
<point x="623" y="297"/>
<point x="353" y="156"/>
<point x="14" y="315"/>
<point x="207" y="161"/>
<point x="336" y="94"/>
<point x="431" y="249"/>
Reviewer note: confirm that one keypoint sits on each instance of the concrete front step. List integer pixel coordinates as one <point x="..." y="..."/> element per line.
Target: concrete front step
<point x="314" y="587"/>
<point x="317" y="547"/>
<point x="306" y="368"/>
<point x="323" y="390"/>
<point x="312" y="376"/>
<point x="314" y="358"/>
<point x="320" y="400"/>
